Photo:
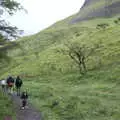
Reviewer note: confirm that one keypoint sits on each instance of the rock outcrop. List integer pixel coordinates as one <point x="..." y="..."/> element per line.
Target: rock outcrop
<point x="97" y="8"/>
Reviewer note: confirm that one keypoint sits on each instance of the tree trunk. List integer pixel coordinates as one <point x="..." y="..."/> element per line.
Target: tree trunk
<point x="80" y="68"/>
<point x="84" y="66"/>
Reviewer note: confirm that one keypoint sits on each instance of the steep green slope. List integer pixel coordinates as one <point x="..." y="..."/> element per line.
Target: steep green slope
<point x="53" y="79"/>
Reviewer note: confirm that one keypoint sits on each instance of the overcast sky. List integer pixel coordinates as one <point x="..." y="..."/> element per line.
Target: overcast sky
<point x="43" y="13"/>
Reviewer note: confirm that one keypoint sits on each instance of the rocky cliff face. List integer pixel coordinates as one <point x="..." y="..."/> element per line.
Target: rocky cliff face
<point x="97" y="8"/>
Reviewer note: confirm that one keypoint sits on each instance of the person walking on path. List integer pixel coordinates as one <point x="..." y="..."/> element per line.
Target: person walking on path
<point x="18" y="84"/>
<point x="10" y="84"/>
<point x="3" y="85"/>
<point x="24" y="98"/>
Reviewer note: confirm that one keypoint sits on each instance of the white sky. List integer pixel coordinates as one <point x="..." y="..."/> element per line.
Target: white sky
<point x="43" y="13"/>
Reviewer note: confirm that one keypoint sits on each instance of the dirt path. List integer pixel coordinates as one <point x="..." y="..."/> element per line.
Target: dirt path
<point x="28" y="114"/>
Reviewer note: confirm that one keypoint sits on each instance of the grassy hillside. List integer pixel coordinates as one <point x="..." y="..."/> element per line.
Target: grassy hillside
<point x="52" y="78"/>
<point x="54" y="83"/>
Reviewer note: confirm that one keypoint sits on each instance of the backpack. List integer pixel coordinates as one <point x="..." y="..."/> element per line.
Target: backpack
<point x="23" y="96"/>
<point x="10" y="80"/>
<point x="18" y="82"/>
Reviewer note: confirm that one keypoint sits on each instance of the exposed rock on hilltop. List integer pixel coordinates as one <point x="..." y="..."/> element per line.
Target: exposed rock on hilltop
<point x="97" y="8"/>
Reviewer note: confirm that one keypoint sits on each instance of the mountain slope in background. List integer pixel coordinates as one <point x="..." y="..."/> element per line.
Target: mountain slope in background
<point x="55" y="85"/>
<point x="97" y="8"/>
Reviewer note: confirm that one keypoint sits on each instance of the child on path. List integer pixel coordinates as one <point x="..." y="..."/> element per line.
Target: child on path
<point x="24" y="98"/>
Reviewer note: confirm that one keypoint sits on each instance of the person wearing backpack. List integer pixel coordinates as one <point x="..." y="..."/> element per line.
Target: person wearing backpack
<point x="18" y="84"/>
<point x="10" y="84"/>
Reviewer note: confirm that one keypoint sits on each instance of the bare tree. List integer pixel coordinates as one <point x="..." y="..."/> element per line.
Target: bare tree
<point x="79" y="54"/>
<point x="76" y="53"/>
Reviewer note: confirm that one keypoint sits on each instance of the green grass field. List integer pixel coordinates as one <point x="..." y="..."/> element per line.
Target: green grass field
<point x="94" y="96"/>
<point x="53" y="80"/>
<point x="6" y="107"/>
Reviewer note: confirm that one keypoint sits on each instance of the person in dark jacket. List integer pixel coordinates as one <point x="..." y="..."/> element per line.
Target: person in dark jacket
<point x="10" y="84"/>
<point x="24" y="98"/>
<point x="18" y="84"/>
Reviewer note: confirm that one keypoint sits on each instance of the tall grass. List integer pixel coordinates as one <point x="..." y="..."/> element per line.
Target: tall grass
<point x="6" y="107"/>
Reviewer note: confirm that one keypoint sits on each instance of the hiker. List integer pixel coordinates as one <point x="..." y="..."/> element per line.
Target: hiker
<point x="24" y="98"/>
<point x="18" y="84"/>
<point x="3" y="85"/>
<point x="10" y="84"/>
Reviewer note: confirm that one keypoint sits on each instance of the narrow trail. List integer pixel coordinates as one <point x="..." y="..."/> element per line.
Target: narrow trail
<point x="27" y="114"/>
